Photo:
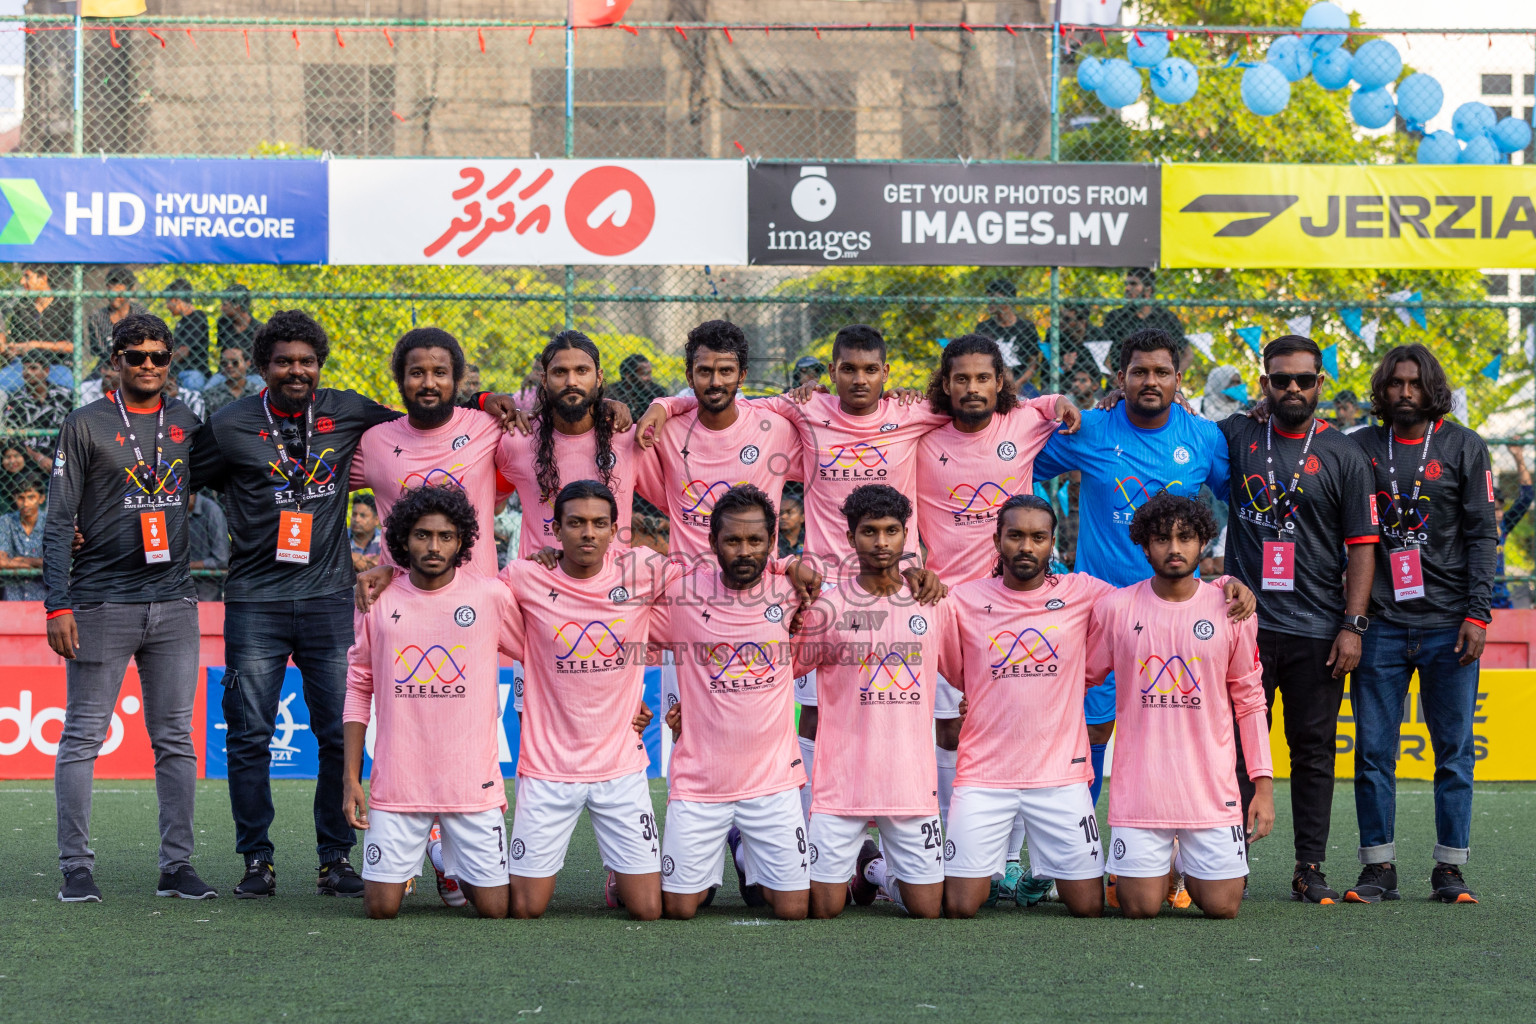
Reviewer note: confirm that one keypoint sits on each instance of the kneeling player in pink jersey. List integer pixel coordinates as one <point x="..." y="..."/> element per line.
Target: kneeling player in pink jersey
<point x="434" y="636"/>
<point x="1191" y="669"/>
<point x="876" y="651"/>
<point x="736" y="774"/>
<point x="580" y="631"/>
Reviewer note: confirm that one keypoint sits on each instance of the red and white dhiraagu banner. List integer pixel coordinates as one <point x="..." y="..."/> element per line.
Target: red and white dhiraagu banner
<point x="539" y="212"/>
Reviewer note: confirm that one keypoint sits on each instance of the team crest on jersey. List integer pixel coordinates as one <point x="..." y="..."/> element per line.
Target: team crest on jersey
<point x="460" y="441"/>
<point x="1181" y="455"/>
<point x="1119" y="849"/>
<point x="815" y="853"/>
<point x="1007" y="451"/>
<point x="607" y="461"/>
<point x="517" y="685"/>
<point x="886" y="428"/>
<point x="518" y="849"/>
<point x="1204" y="630"/>
<point x="949" y="849"/>
<point x="671" y="700"/>
<point x="918" y="624"/>
<point x="177" y="434"/>
<point x="1432" y="470"/>
<point x="325" y="424"/>
<point x="464" y="615"/>
<point x="373" y="854"/>
<point x="618" y="595"/>
<point x="774" y="613"/>
<point x="750" y="453"/>
<point x="668" y="866"/>
<point x="1055" y="604"/>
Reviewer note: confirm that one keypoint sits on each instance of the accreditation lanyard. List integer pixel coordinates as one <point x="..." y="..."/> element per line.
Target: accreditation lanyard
<point x="1280" y="554"/>
<point x="1404" y="562"/>
<point x="152" y="525"/>
<point x="284" y="460"/>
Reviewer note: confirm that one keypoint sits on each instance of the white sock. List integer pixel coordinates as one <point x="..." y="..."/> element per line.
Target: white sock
<point x="947" y="760"/>
<point x="739" y="858"/>
<point x="435" y="851"/>
<point x="808" y="755"/>
<point x="1016" y="837"/>
<point x="874" y="872"/>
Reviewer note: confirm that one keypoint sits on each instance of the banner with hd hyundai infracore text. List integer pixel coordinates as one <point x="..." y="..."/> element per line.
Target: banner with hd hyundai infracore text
<point x="71" y="210"/>
<point x="1015" y="214"/>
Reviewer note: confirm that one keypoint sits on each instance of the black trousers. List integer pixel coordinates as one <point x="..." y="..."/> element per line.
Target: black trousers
<point x="1297" y="667"/>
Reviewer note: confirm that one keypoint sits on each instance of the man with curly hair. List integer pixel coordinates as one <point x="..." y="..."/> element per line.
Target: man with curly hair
<point x="1186" y="671"/>
<point x="426" y="667"/>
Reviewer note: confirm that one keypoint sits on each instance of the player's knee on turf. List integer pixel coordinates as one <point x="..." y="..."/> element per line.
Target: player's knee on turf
<point x="827" y="900"/>
<point x="528" y="898"/>
<point x="1082" y="897"/>
<point x="641" y="895"/>
<point x="789" y="906"/>
<point x="923" y="900"/>
<point x="681" y="906"/>
<point x="963" y="897"/>
<point x="489" y="901"/>
<point x="1218" y="900"/>
<point x="1141" y="898"/>
<point x="382" y="900"/>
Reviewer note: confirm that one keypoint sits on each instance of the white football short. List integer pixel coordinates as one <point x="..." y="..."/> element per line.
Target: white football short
<point x="622" y="817"/>
<point x="1063" y="832"/>
<point x="517" y="687"/>
<point x="474" y="846"/>
<point x="946" y="700"/>
<point x="774" y="845"/>
<point x="805" y="689"/>
<point x="913" y="846"/>
<point x="1210" y="854"/>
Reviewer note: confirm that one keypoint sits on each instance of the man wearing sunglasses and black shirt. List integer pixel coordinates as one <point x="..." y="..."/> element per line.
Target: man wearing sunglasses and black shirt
<point x="120" y="478"/>
<point x="1301" y="496"/>
<point x="282" y="457"/>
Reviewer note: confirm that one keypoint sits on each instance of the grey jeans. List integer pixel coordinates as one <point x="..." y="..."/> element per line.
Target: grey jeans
<point x="162" y="637"/>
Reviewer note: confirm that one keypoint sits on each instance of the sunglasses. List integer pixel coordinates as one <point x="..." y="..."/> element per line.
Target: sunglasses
<point x="1304" y="381"/>
<point x="293" y="442"/>
<point x="230" y="362"/>
<point x="136" y="356"/>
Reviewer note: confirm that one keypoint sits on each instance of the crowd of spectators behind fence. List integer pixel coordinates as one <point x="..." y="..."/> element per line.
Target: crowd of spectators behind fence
<point x="212" y="366"/>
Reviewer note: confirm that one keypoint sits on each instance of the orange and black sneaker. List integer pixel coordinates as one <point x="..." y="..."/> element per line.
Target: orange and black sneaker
<point x="1111" y="897"/>
<point x="1377" y="882"/>
<point x="1309" y="886"/>
<point x="1449" y="886"/>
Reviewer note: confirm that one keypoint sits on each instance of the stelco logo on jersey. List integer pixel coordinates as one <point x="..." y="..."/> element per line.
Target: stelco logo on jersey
<point x="595" y="646"/>
<point x="1170" y="682"/>
<point x="857" y="461"/>
<point x="744" y="667"/>
<point x="1028" y="652"/>
<point x="978" y="503"/>
<point x="160" y="489"/>
<point x="891" y="675"/>
<point x="433" y="672"/>
<point x="292" y="482"/>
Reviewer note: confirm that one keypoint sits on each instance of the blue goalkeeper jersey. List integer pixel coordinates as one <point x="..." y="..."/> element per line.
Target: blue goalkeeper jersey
<point x="1122" y="466"/>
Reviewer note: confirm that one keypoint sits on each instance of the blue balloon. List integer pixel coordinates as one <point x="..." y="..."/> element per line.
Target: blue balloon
<point x="1439" y="148"/>
<point x="1481" y="150"/>
<point x="1331" y="70"/>
<point x="1265" y="90"/>
<point x="1289" y="55"/>
<point x="1511" y="135"/>
<point x="1121" y="86"/>
<point x="1473" y="119"/>
<point x="1372" y="108"/>
<point x="1376" y="64"/>
<point x="1324" y="15"/>
<point x="1090" y="74"/>
<point x="1151" y="48"/>
<point x="1419" y="98"/>
<point x="1174" y="80"/>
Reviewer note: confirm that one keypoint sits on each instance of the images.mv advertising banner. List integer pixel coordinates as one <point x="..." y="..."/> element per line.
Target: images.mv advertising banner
<point x="1300" y="215"/>
<point x="78" y="210"/>
<point x="1014" y="214"/>
<point x="538" y="212"/>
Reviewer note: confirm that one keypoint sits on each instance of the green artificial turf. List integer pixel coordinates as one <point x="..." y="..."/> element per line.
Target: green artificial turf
<point x="302" y="957"/>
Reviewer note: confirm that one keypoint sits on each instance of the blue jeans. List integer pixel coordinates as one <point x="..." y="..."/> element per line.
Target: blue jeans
<point x="259" y="637"/>
<point x="1448" y="695"/>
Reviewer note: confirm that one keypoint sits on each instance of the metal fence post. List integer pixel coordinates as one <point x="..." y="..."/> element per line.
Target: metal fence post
<point x="77" y="278"/>
<point x="570" y="137"/>
<point x="1054" y="331"/>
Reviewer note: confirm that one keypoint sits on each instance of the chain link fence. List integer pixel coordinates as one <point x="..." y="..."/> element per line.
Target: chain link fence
<point x="275" y="89"/>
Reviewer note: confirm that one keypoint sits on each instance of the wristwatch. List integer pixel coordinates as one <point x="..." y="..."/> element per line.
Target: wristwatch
<point x="1356" y="624"/>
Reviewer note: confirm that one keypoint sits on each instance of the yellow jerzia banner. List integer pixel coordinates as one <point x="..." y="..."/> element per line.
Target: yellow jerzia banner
<point x="1506" y="707"/>
<point x="1291" y="215"/>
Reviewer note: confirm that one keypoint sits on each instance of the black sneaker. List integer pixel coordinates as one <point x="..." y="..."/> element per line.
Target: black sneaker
<point x="751" y="895"/>
<point x="1449" y="886"/>
<point x="260" y="880"/>
<point x="79" y="887"/>
<point x="862" y="889"/>
<point x="184" y="884"/>
<point x="1377" y="882"/>
<point x="1309" y="886"/>
<point x="337" y="878"/>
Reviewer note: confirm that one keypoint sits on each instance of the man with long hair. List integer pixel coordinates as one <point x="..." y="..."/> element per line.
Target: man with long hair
<point x="1429" y="611"/>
